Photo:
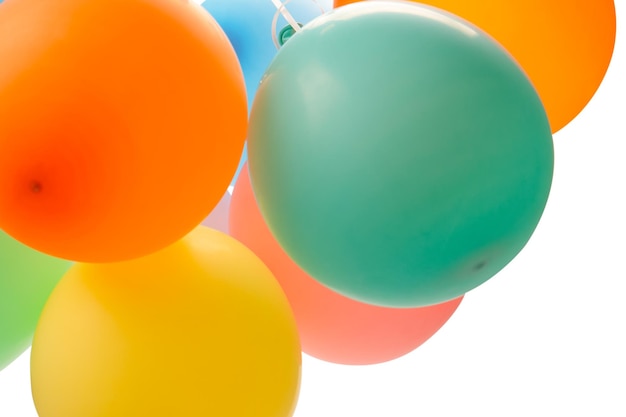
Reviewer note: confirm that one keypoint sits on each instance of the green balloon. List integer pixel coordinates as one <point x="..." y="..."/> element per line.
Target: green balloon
<point x="27" y="278"/>
<point x="399" y="155"/>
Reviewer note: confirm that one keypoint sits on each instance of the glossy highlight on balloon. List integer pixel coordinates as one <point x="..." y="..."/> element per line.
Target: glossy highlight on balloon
<point x="565" y="46"/>
<point x="116" y="138"/>
<point x="332" y="327"/>
<point x="200" y="328"/>
<point x="399" y="176"/>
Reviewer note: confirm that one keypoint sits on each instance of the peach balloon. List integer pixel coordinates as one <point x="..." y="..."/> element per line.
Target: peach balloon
<point x="565" y="46"/>
<point x="332" y="327"/>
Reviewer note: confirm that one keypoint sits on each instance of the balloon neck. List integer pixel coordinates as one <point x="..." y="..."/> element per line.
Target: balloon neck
<point x="286" y="33"/>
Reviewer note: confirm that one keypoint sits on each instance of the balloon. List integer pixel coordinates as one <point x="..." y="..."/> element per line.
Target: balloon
<point x="248" y="24"/>
<point x="200" y="328"/>
<point x="108" y="129"/>
<point x="399" y="155"/>
<point x="332" y="327"/>
<point x="26" y="279"/>
<point x="218" y="219"/>
<point x="565" y="46"/>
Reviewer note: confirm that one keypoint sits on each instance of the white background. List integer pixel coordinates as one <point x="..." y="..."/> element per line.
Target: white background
<point x="545" y="337"/>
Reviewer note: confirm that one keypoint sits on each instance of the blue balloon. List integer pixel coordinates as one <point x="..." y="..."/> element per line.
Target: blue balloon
<point x="248" y="25"/>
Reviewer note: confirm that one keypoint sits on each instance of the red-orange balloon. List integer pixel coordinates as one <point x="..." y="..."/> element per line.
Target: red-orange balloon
<point x="332" y="327"/>
<point x="565" y="46"/>
<point x="121" y="124"/>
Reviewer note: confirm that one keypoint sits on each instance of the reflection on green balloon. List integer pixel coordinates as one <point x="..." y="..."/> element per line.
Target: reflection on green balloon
<point x="27" y="278"/>
<point x="399" y="155"/>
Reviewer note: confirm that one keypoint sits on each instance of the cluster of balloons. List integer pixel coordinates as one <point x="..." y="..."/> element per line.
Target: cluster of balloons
<point x="253" y="28"/>
<point x="399" y="154"/>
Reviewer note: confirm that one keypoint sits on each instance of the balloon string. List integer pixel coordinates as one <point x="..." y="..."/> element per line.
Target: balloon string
<point x="317" y="3"/>
<point x="281" y="9"/>
<point x="288" y="17"/>
<point x="273" y="29"/>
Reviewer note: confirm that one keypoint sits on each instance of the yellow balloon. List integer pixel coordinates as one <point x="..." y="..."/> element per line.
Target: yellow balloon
<point x="200" y="328"/>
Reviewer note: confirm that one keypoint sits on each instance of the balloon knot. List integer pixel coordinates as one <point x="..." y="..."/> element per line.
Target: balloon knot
<point x="286" y="33"/>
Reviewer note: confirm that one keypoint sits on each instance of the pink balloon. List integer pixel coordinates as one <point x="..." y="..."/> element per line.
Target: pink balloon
<point x="218" y="218"/>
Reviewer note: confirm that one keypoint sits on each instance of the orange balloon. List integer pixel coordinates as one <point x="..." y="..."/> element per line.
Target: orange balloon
<point x="116" y="116"/>
<point x="332" y="327"/>
<point x="565" y="46"/>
